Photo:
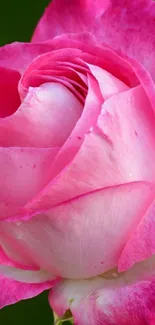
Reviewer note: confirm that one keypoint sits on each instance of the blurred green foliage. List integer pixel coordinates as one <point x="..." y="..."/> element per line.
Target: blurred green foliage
<point x="33" y="311"/>
<point x="17" y="21"/>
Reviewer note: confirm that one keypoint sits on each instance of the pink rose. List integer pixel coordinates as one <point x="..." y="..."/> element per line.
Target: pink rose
<point x="77" y="162"/>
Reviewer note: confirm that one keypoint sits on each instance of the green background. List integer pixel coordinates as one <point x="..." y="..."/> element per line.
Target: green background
<point x="18" y="19"/>
<point x="17" y="22"/>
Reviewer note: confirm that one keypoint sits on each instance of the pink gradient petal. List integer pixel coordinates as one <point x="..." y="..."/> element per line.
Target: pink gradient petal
<point x="57" y="190"/>
<point x="121" y="27"/>
<point x="78" y="14"/>
<point x="12" y="291"/>
<point x="12" y="255"/>
<point x="128" y="123"/>
<point x="18" y="167"/>
<point x="45" y="118"/>
<point x="105" y="301"/>
<point x="109" y="85"/>
<point x="123" y="146"/>
<point x="5" y="260"/>
<point x="89" y="116"/>
<point x="18" y="56"/>
<point x="141" y="245"/>
<point x="81" y="238"/>
<point x="9" y="99"/>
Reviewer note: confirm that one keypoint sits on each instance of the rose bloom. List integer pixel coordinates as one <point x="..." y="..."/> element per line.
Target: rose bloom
<point x="77" y="163"/>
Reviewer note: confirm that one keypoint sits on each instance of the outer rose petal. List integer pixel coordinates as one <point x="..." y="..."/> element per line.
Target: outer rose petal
<point x="111" y="298"/>
<point x="141" y="245"/>
<point x="98" y="301"/>
<point x="12" y="291"/>
<point x="78" y="14"/>
<point x="45" y="118"/>
<point x="121" y="27"/>
<point x="18" y="56"/>
<point x="81" y="238"/>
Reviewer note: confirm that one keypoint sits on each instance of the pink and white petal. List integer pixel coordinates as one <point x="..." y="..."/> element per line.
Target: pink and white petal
<point x="24" y="172"/>
<point x="123" y="147"/>
<point x="18" y="56"/>
<point x="78" y="15"/>
<point x="91" y="169"/>
<point x="5" y="260"/>
<point x="128" y="122"/>
<point x="51" y="108"/>
<point x="12" y="291"/>
<point x="13" y="255"/>
<point x="65" y="185"/>
<point x="141" y="244"/>
<point x="9" y="99"/>
<point x="107" y="302"/>
<point x="109" y="84"/>
<point x="111" y="298"/>
<point x="88" y="118"/>
<point x="81" y="238"/>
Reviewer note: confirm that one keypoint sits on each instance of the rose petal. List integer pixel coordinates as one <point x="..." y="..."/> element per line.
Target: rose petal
<point x="18" y="56"/>
<point x="12" y="255"/>
<point x="18" y="167"/>
<point x="26" y="276"/>
<point x="109" y="85"/>
<point x="78" y="15"/>
<point x="141" y="245"/>
<point x="39" y="121"/>
<point x="81" y="238"/>
<point x="12" y="291"/>
<point x="122" y="144"/>
<point x="89" y="116"/>
<point x="52" y="66"/>
<point x="9" y="99"/>
<point x="129" y="18"/>
<point x="105" y="301"/>
<point x="128" y="122"/>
